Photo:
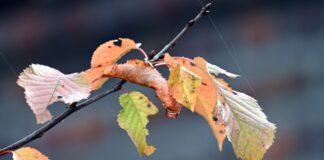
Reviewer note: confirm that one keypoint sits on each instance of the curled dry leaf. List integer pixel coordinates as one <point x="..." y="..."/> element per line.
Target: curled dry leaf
<point x="138" y="72"/>
<point x="206" y="95"/>
<point x="133" y="118"/>
<point x="28" y="153"/>
<point x="107" y="54"/>
<point x="44" y="85"/>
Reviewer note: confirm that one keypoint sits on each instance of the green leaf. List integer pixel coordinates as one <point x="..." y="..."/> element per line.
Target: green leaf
<point x="133" y="119"/>
<point x="249" y="131"/>
<point x="183" y="86"/>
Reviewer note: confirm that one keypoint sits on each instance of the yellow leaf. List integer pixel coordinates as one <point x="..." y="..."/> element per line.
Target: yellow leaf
<point x="183" y="84"/>
<point x="133" y="119"/>
<point x="28" y="153"/>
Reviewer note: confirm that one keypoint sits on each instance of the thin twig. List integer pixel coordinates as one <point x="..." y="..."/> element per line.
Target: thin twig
<point x="204" y="11"/>
<point x="75" y="106"/>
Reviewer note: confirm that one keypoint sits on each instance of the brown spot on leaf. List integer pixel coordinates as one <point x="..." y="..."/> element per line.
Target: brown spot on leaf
<point x="193" y="64"/>
<point x="118" y="42"/>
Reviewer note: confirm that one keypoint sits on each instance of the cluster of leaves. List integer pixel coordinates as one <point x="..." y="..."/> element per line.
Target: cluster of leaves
<point x="192" y="83"/>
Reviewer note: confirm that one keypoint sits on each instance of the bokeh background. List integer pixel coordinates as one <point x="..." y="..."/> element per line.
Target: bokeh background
<point x="276" y="45"/>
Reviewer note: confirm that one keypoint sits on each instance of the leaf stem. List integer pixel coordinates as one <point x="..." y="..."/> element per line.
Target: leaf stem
<point x="159" y="64"/>
<point x="142" y="52"/>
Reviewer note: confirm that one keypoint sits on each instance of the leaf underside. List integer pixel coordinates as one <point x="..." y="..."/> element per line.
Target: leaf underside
<point x="44" y="85"/>
<point x="249" y="131"/>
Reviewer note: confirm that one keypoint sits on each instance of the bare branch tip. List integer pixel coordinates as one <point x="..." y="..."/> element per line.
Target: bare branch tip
<point x="206" y="8"/>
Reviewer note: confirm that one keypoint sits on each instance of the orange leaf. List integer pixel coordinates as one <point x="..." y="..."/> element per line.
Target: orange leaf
<point x="209" y="102"/>
<point x="110" y="52"/>
<point x="207" y="94"/>
<point x="107" y="54"/>
<point x="94" y="77"/>
<point x="138" y="72"/>
<point x="27" y="153"/>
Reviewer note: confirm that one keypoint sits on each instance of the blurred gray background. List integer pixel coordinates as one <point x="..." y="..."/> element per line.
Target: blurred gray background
<point x="276" y="45"/>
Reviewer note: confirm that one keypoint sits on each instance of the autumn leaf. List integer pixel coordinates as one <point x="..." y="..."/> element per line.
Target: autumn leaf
<point x="183" y="83"/>
<point x="183" y="86"/>
<point x="206" y="94"/>
<point x="138" y="72"/>
<point x="249" y="131"/>
<point x="133" y="119"/>
<point x="44" y="85"/>
<point x="110" y="52"/>
<point x="107" y="54"/>
<point x="28" y="153"/>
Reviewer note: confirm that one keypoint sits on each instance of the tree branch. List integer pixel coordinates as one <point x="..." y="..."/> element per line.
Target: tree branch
<point x="204" y="11"/>
<point x="75" y="106"/>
